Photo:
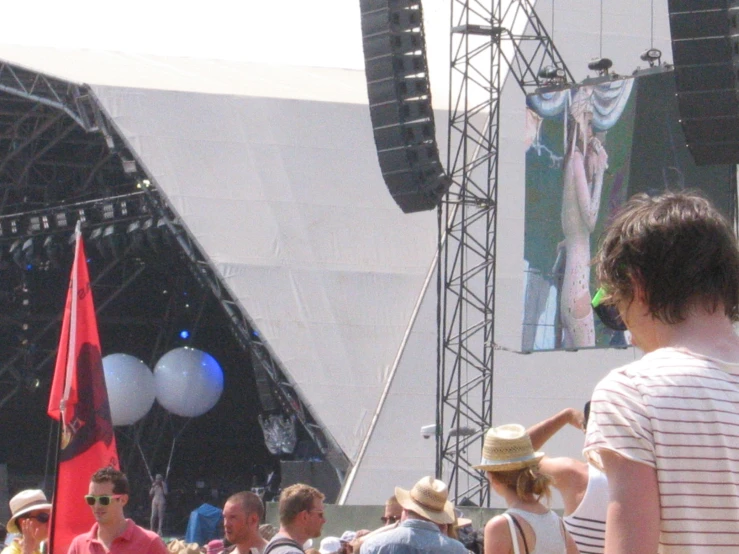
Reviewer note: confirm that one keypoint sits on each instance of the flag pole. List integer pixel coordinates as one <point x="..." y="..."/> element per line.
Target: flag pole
<point x="67" y="381"/>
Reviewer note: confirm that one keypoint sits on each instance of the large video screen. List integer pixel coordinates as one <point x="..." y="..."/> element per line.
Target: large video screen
<point x="589" y="148"/>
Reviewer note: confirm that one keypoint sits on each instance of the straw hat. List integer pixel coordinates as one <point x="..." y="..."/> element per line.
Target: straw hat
<point x="427" y="498"/>
<point x="24" y="502"/>
<point x="178" y="546"/>
<point x="461" y="521"/>
<point x="506" y="448"/>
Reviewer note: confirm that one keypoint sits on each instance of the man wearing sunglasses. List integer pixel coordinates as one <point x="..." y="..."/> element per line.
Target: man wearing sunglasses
<point x="30" y="519"/>
<point x="113" y="533"/>
<point x="302" y="517"/>
<point x="393" y="511"/>
<point x="665" y="428"/>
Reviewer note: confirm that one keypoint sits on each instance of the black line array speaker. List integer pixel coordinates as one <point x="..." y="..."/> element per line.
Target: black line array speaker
<point x="705" y="51"/>
<point x="400" y="103"/>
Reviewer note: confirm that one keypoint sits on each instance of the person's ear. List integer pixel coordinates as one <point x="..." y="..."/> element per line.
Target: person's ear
<point x="637" y="287"/>
<point x="124" y="499"/>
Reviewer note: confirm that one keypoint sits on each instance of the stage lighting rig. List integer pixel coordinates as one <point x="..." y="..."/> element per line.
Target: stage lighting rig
<point x="16" y="252"/>
<point x="601" y="65"/>
<point x="553" y="74"/>
<point x="651" y="55"/>
<point x="53" y="251"/>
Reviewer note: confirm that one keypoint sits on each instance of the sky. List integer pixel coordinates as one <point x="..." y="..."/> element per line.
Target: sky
<point x="324" y="33"/>
<point x="297" y="32"/>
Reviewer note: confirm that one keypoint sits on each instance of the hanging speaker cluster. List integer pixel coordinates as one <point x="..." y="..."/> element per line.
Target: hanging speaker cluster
<point x="705" y="51"/>
<point x="400" y="103"/>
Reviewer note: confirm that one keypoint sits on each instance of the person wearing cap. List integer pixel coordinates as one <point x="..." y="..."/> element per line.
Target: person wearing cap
<point x="583" y="487"/>
<point x="513" y="472"/>
<point x="112" y="533"/>
<point x="665" y="428"/>
<point x="242" y="514"/>
<point x="30" y="520"/>
<point x="347" y="539"/>
<point x="329" y="545"/>
<point x="425" y="508"/>
<point x="301" y="513"/>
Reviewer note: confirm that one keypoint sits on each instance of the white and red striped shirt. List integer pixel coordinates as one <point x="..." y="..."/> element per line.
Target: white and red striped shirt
<point x="679" y="413"/>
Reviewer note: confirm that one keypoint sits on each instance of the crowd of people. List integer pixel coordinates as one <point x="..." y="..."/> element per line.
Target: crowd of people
<point x="661" y="467"/>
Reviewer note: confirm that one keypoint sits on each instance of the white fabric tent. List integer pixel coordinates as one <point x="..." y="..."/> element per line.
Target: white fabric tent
<point x="273" y="170"/>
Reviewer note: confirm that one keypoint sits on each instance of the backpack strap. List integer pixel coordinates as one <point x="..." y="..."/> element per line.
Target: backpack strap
<point x="281" y="542"/>
<point x="514" y="536"/>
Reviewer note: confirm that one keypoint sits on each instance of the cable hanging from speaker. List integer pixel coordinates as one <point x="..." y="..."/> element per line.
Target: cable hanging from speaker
<point x="600" y="47"/>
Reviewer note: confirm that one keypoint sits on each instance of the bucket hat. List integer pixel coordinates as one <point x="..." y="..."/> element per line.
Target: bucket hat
<point x="24" y="502"/>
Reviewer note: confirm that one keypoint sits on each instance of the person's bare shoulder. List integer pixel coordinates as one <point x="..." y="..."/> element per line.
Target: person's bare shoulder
<point x="563" y="466"/>
<point x="497" y="536"/>
<point x="565" y="471"/>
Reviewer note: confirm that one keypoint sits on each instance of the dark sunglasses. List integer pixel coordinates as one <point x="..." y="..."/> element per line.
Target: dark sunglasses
<point x="43" y="517"/>
<point x="607" y="313"/>
<point x="390" y="519"/>
<point x="103" y="499"/>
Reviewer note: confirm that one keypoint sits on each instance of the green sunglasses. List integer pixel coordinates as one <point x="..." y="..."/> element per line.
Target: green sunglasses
<point x="607" y="313"/>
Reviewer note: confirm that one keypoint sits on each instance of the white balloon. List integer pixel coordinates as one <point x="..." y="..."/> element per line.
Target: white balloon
<point x="189" y="382"/>
<point x="130" y="385"/>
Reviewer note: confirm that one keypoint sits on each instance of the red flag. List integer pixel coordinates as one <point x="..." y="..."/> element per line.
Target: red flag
<point x="79" y="401"/>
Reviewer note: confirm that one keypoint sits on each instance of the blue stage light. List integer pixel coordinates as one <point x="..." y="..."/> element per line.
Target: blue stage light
<point x="184" y="334"/>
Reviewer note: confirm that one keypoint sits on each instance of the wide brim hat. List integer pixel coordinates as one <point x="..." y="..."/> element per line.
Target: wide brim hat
<point x="427" y="498"/>
<point x="506" y="448"/>
<point x="24" y="502"/>
<point x="460" y="520"/>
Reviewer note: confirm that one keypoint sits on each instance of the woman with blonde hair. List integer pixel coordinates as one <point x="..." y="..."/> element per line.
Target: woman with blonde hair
<point x="528" y="526"/>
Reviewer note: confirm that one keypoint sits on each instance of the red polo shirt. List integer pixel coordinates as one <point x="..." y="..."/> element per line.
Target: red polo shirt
<point x="133" y="540"/>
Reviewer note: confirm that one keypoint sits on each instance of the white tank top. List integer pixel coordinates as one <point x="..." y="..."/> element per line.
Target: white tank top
<point x="587" y="524"/>
<point x="548" y="530"/>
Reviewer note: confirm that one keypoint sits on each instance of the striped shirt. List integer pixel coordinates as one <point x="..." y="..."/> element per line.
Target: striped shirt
<point x="679" y="413"/>
<point x="587" y="524"/>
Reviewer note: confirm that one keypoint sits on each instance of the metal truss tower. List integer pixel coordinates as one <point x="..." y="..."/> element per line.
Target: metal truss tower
<point x="488" y="41"/>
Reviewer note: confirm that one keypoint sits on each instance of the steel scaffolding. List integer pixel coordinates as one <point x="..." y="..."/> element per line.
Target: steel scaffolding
<point x="488" y="41"/>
